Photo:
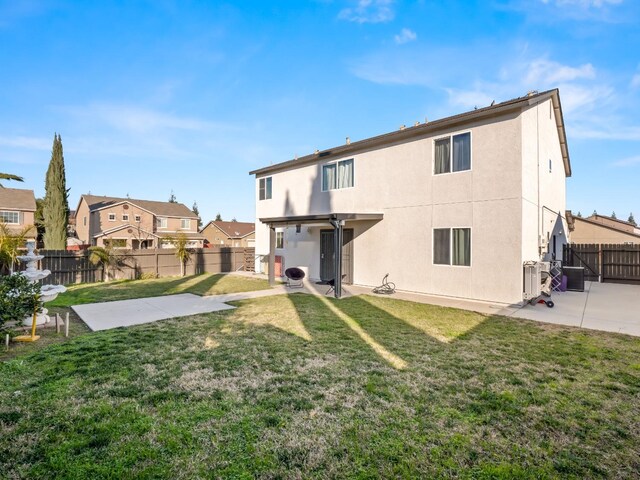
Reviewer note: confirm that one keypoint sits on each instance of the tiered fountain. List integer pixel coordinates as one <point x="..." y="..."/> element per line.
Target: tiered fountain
<point x="47" y="292"/>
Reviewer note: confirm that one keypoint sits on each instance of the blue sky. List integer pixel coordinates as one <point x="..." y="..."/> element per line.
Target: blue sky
<point x="156" y="96"/>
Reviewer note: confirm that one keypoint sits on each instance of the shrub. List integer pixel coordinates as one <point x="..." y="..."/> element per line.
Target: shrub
<point x="18" y="298"/>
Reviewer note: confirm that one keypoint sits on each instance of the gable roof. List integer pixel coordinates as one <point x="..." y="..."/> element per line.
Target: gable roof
<point x="623" y="223"/>
<point x="571" y="219"/>
<point x="165" y="209"/>
<point x="233" y="229"/>
<point x="17" y="199"/>
<point x="411" y="133"/>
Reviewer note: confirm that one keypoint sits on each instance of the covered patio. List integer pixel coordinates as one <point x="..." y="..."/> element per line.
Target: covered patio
<point x="336" y="221"/>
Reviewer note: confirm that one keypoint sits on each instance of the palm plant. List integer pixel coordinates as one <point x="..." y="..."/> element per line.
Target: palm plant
<point x="183" y="253"/>
<point x="11" y="242"/>
<point x="105" y="257"/>
<point x="9" y="176"/>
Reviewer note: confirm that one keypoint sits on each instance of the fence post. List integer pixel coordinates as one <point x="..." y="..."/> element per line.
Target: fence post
<point x="157" y="269"/>
<point x="600" y="264"/>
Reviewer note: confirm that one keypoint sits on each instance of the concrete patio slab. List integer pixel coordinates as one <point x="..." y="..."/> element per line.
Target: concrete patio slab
<point x="609" y="307"/>
<point x="124" y="313"/>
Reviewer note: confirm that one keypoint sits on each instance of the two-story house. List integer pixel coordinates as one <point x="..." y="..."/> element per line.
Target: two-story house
<point x="451" y="207"/>
<point x="17" y="211"/>
<point x="229" y="234"/>
<point x="134" y="224"/>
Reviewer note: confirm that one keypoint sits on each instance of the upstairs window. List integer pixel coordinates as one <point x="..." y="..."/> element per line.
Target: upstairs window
<point x="452" y="246"/>
<point x="185" y="224"/>
<point x="125" y="217"/>
<point x="279" y="239"/>
<point x="337" y="175"/>
<point x="265" y="188"/>
<point x="112" y="217"/>
<point x="452" y="159"/>
<point x="138" y="218"/>
<point x="161" y="222"/>
<point x="84" y="221"/>
<point x="11" y="218"/>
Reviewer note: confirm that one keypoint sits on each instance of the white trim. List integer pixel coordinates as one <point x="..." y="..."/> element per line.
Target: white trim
<point x="265" y="188"/>
<point x="450" y="264"/>
<point x="336" y="162"/>
<point x="13" y="211"/>
<point x="160" y="224"/>
<point x="450" y="136"/>
<point x="111" y="215"/>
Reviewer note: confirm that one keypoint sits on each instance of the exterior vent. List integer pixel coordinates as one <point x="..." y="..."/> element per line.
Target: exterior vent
<point x="325" y="154"/>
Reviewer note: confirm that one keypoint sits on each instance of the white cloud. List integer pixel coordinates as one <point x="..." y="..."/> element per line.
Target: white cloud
<point x="369" y="11"/>
<point x="543" y="71"/>
<point x="635" y="81"/>
<point x="405" y="36"/>
<point x="583" y="3"/>
<point x="628" y="162"/>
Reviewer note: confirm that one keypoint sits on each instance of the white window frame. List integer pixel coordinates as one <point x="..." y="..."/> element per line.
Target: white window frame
<point x="280" y="237"/>
<point x="268" y="195"/>
<point x="112" y="217"/>
<point x="450" y="264"/>
<point x="137" y="218"/>
<point x="450" y="137"/>
<point x="125" y="217"/>
<point x="13" y="214"/>
<point x="161" y="222"/>
<point x="182" y="221"/>
<point x="322" y="186"/>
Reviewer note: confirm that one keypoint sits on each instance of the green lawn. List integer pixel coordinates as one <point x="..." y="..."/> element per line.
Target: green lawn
<point x="306" y="387"/>
<point x="204" y="284"/>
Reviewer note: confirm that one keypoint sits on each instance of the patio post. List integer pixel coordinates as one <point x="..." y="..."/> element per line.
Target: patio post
<point x="337" y="239"/>
<point x="272" y="255"/>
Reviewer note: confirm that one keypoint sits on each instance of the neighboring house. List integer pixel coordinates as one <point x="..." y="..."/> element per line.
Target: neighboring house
<point x="451" y="207"/>
<point x="600" y="229"/>
<point x="134" y="224"/>
<point x="17" y="211"/>
<point x="230" y="234"/>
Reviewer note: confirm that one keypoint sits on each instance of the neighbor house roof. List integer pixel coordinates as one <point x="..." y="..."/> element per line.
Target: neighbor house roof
<point x="233" y="229"/>
<point x="571" y="219"/>
<point x="624" y="224"/>
<point x="428" y="128"/>
<point x="165" y="209"/>
<point x="17" y="199"/>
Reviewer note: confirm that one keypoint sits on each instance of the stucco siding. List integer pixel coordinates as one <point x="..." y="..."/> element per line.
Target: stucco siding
<point x="585" y="232"/>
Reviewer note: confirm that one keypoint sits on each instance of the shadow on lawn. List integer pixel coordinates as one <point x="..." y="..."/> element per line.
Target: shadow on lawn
<point x="392" y="339"/>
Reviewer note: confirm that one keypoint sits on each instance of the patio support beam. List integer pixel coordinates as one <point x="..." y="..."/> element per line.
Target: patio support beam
<point x="337" y="242"/>
<point x="272" y="255"/>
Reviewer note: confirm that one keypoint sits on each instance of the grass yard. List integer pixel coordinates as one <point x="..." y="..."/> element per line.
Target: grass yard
<point x="203" y="284"/>
<point x="300" y="386"/>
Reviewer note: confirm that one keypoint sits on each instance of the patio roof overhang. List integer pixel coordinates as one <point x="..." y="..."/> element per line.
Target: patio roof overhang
<point x="322" y="218"/>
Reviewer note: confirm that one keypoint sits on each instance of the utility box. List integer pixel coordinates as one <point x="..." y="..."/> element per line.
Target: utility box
<point x="575" y="278"/>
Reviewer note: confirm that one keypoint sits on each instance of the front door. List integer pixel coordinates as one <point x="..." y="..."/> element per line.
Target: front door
<point x="327" y="255"/>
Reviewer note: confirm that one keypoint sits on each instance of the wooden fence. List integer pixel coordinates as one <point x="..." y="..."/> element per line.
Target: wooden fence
<point x="616" y="263"/>
<point x="74" y="267"/>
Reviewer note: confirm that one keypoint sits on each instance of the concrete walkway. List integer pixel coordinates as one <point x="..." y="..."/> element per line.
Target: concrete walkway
<point x="124" y="313"/>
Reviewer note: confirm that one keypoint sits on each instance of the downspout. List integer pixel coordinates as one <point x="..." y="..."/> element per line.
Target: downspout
<point x="538" y="177"/>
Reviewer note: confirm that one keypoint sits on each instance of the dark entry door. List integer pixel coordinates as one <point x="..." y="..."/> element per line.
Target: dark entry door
<point x="327" y="255"/>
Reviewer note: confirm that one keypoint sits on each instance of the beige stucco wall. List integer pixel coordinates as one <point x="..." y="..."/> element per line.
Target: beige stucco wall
<point x="585" y="232"/>
<point x="26" y="222"/>
<point x="398" y="182"/>
<point x="543" y="191"/>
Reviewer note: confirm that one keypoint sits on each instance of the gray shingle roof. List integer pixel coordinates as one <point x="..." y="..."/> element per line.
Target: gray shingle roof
<point x="17" y="199"/>
<point x="166" y="209"/>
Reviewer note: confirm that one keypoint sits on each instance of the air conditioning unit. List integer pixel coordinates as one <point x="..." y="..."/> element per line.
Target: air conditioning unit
<point x="532" y="280"/>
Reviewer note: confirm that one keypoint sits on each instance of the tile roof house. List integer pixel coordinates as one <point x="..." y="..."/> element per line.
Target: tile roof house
<point x="134" y="224"/>
<point x="601" y="229"/>
<point x="482" y="192"/>
<point x="230" y="234"/>
<point x="17" y="210"/>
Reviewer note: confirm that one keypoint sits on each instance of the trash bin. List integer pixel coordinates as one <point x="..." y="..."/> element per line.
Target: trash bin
<point x="575" y="278"/>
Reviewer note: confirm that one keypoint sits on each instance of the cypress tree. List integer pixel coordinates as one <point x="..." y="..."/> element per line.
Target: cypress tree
<point x="56" y="205"/>
<point x="631" y="220"/>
